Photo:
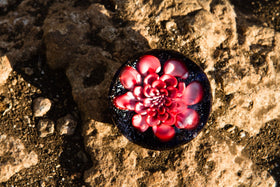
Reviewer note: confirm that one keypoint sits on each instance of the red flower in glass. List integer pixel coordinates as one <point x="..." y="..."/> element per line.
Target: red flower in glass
<point x="160" y="102"/>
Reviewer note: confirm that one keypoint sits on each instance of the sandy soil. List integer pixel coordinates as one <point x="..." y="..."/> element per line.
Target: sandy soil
<point x="59" y="162"/>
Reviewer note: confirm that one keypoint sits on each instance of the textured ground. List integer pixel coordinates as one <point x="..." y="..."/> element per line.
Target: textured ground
<point x="69" y="51"/>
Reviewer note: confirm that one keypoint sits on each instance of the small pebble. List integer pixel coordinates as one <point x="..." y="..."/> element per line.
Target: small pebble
<point x="45" y="127"/>
<point x="28" y="71"/>
<point x="14" y="82"/>
<point x="28" y="121"/>
<point x="242" y="134"/>
<point x="66" y="125"/>
<point x="43" y="184"/>
<point x="82" y="156"/>
<point x="108" y="33"/>
<point x="170" y="25"/>
<point x="41" y="106"/>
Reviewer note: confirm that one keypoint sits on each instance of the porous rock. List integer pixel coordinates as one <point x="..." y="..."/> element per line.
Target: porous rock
<point x="5" y="69"/>
<point x="5" y="4"/>
<point x="14" y="157"/>
<point x="243" y="68"/>
<point x="24" y="28"/>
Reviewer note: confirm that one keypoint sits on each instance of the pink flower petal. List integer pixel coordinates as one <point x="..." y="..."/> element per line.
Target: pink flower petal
<point x="148" y="64"/>
<point x="162" y="117"/>
<point x="151" y="112"/>
<point x="139" y="122"/>
<point x="172" y="107"/>
<point x="150" y="92"/>
<point x="169" y="80"/>
<point x="181" y="89"/>
<point x="163" y="92"/>
<point x="152" y="120"/>
<point x="193" y="93"/>
<point x="149" y="79"/>
<point x="125" y="102"/>
<point x="130" y="77"/>
<point x="164" y="132"/>
<point x="161" y="110"/>
<point x="188" y="119"/>
<point x="138" y="92"/>
<point x="170" y="120"/>
<point x="172" y="92"/>
<point x="147" y="102"/>
<point x="180" y="106"/>
<point x="147" y="90"/>
<point x="167" y="101"/>
<point x="154" y="92"/>
<point x="140" y="108"/>
<point x="176" y="68"/>
<point x="158" y="84"/>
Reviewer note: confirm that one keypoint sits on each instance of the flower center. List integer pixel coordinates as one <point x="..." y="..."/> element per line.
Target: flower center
<point x="158" y="101"/>
<point x="160" y="98"/>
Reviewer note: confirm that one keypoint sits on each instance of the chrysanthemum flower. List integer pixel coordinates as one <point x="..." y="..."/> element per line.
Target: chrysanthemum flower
<point x="159" y="102"/>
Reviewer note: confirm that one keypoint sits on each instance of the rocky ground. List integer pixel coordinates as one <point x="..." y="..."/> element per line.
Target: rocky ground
<point x="57" y="59"/>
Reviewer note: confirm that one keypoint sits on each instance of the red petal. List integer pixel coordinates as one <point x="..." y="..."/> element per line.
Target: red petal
<point x="172" y="107"/>
<point x="130" y="77"/>
<point x="170" y="120"/>
<point x="151" y="111"/>
<point x="149" y="79"/>
<point x="139" y="122"/>
<point x="162" y="117"/>
<point x="147" y="90"/>
<point x="167" y="102"/>
<point x="154" y="92"/>
<point x="161" y="110"/>
<point x="152" y="120"/>
<point x="172" y="92"/>
<point x="140" y="108"/>
<point x="176" y="68"/>
<point x="147" y="102"/>
<point x="193" y="93"/>
<point x="163" y="92"/>
<point x="138" y="92"/>
<point x="164" y="132"/>
<point x="181" y="89"/>
<point x="159" y="84"/>
<point x="125" y="102"/>
<point x="169" y="80"/>
<point x="148" y="64"/>
<point x="188" y="119"/>
<point x="181" y="106"/>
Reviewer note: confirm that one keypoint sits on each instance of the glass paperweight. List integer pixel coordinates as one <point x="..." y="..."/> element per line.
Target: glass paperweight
<point x="160" y="99"/>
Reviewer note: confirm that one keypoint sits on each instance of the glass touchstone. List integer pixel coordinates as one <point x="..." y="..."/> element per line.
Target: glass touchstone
<point x="160" y="99"/>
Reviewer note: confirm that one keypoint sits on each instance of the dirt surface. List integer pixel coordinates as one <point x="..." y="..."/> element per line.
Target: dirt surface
<point x="59" y="163"/>
<point x="63" y="160"/>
